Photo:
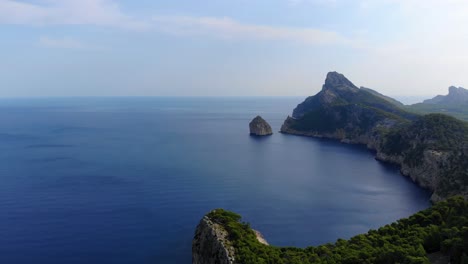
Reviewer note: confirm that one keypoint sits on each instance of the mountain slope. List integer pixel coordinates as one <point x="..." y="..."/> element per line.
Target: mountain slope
<point x="387" y="98"/>
<point x="343" y="111"/>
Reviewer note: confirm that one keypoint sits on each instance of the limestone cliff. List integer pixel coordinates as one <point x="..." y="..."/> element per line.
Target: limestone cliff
<point x="259" y="127"/>
<point x="429" y="148"/>
<point x="211" y="245"/>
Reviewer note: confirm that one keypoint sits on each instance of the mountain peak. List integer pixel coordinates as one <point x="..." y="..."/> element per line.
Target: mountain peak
<point x="338" y="81"/>
<point x="455" y="96"/>
<point x="455" y="91"/>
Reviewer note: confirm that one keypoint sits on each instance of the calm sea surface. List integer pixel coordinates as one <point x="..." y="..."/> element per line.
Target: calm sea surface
<point x="126" y="180"/>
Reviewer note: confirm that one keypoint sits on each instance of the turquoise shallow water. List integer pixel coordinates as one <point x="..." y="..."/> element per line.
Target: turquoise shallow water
<point x="126" y="180"/>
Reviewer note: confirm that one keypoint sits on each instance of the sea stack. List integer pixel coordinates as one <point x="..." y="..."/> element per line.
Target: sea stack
<point x="260" y="127"/>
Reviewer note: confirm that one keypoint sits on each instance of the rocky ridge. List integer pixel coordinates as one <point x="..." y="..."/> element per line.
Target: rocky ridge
<point x="455" y="96"/>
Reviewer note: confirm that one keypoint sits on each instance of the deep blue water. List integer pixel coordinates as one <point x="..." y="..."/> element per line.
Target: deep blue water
<point x="126" y="180"/>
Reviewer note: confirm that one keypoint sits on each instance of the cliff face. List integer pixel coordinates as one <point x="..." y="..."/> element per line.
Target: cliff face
<point x="429" y="149"/>
<point x="210" y="244"/>
<point x="426" y="174"/>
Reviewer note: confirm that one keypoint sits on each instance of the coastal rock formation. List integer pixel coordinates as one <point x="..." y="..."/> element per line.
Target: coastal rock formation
<point x="211" y="245"/>
<point x="430" y="149"/>
<point x="259" y="127"/>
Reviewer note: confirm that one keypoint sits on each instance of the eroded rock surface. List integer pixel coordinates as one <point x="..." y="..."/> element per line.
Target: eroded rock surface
<point x="259" y="127"/>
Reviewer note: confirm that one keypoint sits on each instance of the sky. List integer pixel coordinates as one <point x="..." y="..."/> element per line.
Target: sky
<point x="230" y="47"/>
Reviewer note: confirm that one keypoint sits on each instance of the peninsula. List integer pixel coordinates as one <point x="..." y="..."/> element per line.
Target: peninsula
<point x="430" y="149"/>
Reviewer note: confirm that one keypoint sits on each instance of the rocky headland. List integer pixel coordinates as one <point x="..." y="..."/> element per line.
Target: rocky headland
<point x="259" y="127"/>
<point x="430" y="149"/>
<point x="436" y="234"/>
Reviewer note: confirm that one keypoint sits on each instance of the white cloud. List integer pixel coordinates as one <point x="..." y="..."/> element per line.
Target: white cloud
<point x="228" y="28"/>
<point x="108" y="13"/>
<point x="67" y="12"/>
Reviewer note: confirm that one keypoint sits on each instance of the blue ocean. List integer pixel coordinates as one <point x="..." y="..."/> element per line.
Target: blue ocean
<point x="126" y="180"/>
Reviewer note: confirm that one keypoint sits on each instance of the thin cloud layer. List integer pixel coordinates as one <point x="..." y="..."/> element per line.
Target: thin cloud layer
<point x="228" y="28"/>
<point x="67" y="12"/>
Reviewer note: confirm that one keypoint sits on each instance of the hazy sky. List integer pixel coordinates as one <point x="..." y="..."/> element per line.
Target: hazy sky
<point x="230" y="47"/>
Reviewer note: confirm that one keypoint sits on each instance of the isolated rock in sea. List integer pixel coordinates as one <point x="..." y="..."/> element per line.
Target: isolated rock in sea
<point x="260" y="127"/>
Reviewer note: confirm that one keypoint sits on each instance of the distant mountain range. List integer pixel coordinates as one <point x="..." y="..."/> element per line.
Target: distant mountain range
<point x="455" y="96"/>
<point x="431" y="149"/>
<point x="455" y="104"/>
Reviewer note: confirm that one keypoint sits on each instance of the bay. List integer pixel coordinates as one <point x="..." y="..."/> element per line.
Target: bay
<point x="126" y="179"/>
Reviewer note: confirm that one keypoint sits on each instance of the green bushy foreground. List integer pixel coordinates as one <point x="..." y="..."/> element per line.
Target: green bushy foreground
<point x="442" y="227"/>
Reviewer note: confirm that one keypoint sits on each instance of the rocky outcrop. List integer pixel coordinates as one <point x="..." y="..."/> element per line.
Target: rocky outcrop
<point x="210" y="244"/>
<point x="260" y="237"/>
<point x="259" y="127"/>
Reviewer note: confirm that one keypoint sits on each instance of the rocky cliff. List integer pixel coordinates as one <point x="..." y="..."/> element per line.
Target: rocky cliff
<point x="428" y="148"/>
<point x="215" y="236"/>
<point x="211" y="245"/>
<point x="259" y="127"/>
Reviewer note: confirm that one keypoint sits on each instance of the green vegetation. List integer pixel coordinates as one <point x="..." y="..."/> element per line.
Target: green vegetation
<point x="352" y="119"/>
<point x="433" y="131"/>
<point x="436" y="132"/>
<point x="459" y="111"/>
<point x="442" y="227"/>
<point x="352" y="113"/>
<point x="389" y="99"/>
